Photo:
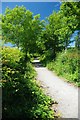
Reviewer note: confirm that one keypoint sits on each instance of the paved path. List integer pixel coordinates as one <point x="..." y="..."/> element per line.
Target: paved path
<point x="64" y="93"/>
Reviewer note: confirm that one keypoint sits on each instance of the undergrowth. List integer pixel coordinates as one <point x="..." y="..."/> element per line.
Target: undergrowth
<point x="22" y="96"/>
<point x="66" y="65"/>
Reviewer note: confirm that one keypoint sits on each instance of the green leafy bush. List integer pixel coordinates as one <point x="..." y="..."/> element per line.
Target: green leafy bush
<point x="46" y="57"/>
<point x="66" y="65"/>
<point x="22" y="97"/>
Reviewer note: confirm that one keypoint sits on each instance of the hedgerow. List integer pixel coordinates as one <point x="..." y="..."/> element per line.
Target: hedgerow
<point x="66" y="65"/>
<point x="22" y="96"/>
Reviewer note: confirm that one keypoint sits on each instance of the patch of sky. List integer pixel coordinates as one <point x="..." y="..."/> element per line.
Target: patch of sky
<point x="42" y="8"/>
<point x="9" y="44"/>
<point x="73" y="38"/>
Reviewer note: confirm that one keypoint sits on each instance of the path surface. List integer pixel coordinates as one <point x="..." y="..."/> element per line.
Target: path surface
<point x="65" y="94"/>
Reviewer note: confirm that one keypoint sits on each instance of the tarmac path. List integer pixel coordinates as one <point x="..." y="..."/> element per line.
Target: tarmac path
<point x="64" y="93"/>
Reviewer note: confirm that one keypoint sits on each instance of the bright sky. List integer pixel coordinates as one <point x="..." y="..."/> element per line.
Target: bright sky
<point x="42" y="8"/>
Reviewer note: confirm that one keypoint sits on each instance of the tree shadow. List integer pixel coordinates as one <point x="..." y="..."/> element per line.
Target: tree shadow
<point x="37" y="63"/>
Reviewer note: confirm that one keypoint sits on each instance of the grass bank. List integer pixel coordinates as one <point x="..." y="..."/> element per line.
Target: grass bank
<point x="67" y="65"/>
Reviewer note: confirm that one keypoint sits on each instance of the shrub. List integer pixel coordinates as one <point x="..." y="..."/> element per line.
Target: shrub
<point x="66" y="65"/>
<point x="22" y="97"/>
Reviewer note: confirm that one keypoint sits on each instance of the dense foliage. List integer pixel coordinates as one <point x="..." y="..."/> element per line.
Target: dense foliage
<point x="56" y="38"/>
<point x="66" y="65"/>
<point x="22" y="97"/>
<point x="59" y="28"/>
<point x="21" y="28"/>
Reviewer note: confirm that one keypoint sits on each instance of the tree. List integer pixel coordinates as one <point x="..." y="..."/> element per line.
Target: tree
<point x="20" y="27"/>
<point x="48" y="42"/>
<point x="50" y="37"/>
<point x="65" y="22"/>
<point x="71" y="13"/>
<point x="71" y="9"/>
<point x="59" y="28"/>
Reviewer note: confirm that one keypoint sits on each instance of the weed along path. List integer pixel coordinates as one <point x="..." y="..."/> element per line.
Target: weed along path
<point x="64" y="93"/>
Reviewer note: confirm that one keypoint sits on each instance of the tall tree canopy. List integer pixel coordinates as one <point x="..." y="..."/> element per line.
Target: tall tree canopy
<point x="20" y="27"/>
<point x="71" y="11"/>
<point x="30" y="34"/>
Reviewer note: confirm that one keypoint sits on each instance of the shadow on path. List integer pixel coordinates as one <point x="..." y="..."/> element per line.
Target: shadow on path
<point x="37" y="63"/>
